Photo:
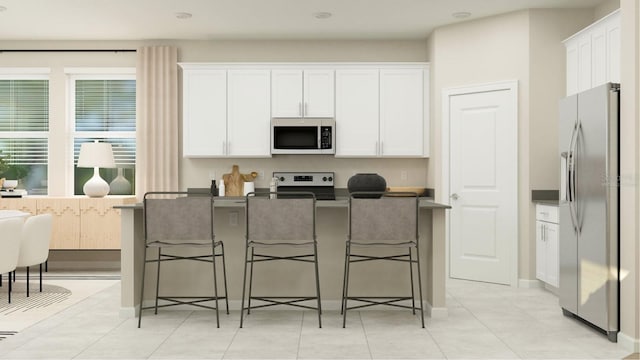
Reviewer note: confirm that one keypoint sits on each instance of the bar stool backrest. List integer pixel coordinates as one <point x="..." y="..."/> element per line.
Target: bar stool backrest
<point x="176" y="218"/>
<point x="281" y="219"/>
<point x="386" y="219"/>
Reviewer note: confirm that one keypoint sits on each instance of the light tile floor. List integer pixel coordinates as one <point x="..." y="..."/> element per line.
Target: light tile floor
<point x="485" y="322"/>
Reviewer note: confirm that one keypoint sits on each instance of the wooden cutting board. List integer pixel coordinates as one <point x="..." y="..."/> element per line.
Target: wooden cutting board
<point x="234" y="182"/>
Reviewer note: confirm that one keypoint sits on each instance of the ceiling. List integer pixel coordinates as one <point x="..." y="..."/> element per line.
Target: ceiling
<point x="245" y="19"/>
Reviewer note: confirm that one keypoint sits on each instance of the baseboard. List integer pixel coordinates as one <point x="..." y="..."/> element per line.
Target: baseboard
<point x="84" y="265"/>
<point x="436" y="312"/>
<point x="628" y="343"/>
<point x="128" y="312"/>
<point x="530" y="284"/>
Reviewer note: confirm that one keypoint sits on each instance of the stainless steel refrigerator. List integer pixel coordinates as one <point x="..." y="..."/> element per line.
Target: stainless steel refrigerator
<point x="589" y="197"/>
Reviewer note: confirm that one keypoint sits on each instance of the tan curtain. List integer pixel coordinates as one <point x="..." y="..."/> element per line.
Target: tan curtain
<point x="157" y="119"/>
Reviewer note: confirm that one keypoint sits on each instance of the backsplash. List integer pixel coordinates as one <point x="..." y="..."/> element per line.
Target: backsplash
<point x="397" y="172"/>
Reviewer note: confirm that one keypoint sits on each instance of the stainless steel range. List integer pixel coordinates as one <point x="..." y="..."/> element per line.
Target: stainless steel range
<point x="319" y="183"/>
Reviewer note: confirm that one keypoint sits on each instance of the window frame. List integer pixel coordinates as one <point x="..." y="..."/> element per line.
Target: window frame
<point x="74" y="74"/>
<point x="31" y="73"/>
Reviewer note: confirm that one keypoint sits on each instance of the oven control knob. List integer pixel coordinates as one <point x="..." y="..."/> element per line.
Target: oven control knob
<point x="330" y="178"/>
<point x="281" y="178"/>
<point x="324" y="178"/>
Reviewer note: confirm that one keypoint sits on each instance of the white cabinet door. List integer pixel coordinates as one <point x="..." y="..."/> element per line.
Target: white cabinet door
<point x="248" y="121"/>
<point x="599" y="69"/>
<point x="204" y="112"/>
<point x="286" y="92"/>
<point x="613" y="48"/>
<point x="572" y="67"/>
<point x="298" y="93"/>
<point x="318" y="93"/>
<point x="401" y="112"/>
<point x="357" y="113"/>
<point x="552" y="256"/>
<point x="541" y="252"/>
<point x="584" y="63"/>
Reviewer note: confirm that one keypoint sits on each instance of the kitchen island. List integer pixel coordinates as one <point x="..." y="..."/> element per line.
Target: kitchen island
<point x="331" y="227"/>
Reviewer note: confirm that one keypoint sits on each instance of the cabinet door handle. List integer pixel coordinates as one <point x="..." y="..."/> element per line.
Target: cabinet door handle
<point x="224" y="148"/>
<point x="228" y="147"/>
<point x="381" y="148"/>
<point x="377" y="148"/>
<point x="300" y="109"/>
<point x="305" y="109"/>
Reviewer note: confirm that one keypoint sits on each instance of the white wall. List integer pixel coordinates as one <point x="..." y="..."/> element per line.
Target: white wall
<point x="523" y="46"/>
<point x="629" y="167"/>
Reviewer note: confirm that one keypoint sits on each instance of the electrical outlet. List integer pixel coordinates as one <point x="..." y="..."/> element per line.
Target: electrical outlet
<point x="233" y="218"/>
<point x="261" y="174"/>
<point x="403" y="175"/>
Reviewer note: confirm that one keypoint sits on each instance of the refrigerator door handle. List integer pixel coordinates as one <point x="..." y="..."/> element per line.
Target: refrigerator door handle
<point x="575" y="189"/>
<point x="571" y="178"/>
<point x="564" y="177"/>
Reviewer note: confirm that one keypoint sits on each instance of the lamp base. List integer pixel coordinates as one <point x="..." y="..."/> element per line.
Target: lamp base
<point x="96" y="186"/>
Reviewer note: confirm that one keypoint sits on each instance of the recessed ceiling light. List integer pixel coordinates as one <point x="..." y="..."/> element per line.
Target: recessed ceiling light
<point x="2" y="8"/>
<point x="183" y="15"/>
<point x="322" y="15"/>
<point x="461" y="14"/>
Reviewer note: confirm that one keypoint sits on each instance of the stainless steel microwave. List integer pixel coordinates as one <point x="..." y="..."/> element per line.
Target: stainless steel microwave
<point x="303" y="136"/>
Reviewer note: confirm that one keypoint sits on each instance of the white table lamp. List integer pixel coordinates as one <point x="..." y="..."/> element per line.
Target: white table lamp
<point x="96" y="155"/>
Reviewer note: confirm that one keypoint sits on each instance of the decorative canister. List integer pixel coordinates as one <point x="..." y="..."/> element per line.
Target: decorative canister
<point x="366" y="182"/>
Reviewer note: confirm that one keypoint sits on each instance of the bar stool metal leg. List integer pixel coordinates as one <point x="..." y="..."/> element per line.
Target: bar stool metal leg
<point x="250" y="282"/>
<point x="244" y="285"/>
<point x="315" y="260"/>
<point x="413" y="296"/>
<point x="420" y="286"/>
<point x="27" y="281"/>
<point x="215" y="281"/>
<point x="144" y="267"/>
<point x="346" y="287"/>
<point x="158" y="280"/>
<point x="224" y="274"/>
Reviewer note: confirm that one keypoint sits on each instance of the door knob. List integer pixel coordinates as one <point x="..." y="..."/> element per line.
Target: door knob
<point x="454" y="196"/>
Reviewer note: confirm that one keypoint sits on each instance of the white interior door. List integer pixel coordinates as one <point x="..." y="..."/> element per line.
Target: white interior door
<point x="483" y="185"/>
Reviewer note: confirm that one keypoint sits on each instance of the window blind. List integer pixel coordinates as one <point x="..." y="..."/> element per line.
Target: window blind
<point x="24" y="105"/>
<point x="124" y="150"/>
<point x="105" y="105"/>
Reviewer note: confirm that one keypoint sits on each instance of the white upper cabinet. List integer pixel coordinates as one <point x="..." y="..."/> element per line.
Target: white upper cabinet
<point x="401" y="112"/>
<point x="593" y="55"/>
<point x="204" y="112"/>
<point x="302" y="93"/>
<point x="381" y="109"/>
<point x="248" y="118"/>
<point x="225" y="113"/>
<point x="381" y="112"/>
<point x="357" y="113"/>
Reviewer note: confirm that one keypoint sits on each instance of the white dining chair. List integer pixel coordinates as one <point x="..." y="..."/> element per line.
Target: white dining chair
<point x="34" y="247"/>
<point x="10" y="237"/>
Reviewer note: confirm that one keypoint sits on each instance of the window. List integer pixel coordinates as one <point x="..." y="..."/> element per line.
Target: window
<point x="24" y="130"/>
<point x="104" y="109"/>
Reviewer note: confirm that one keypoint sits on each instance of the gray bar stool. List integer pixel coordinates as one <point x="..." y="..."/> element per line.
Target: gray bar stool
<point x="382" y="220"/>
<point x="173" y="221"/>
<point x="285" y="222"/>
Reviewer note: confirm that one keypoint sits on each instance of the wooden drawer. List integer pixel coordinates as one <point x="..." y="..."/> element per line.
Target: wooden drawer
<point x="547" y="213"/>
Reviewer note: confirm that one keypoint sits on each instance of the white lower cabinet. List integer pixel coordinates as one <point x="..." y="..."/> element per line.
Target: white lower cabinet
<point x="547" y="250"/>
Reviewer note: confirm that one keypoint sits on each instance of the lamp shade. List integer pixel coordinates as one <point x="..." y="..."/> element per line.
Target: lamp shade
<point x="96" y="154"/>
